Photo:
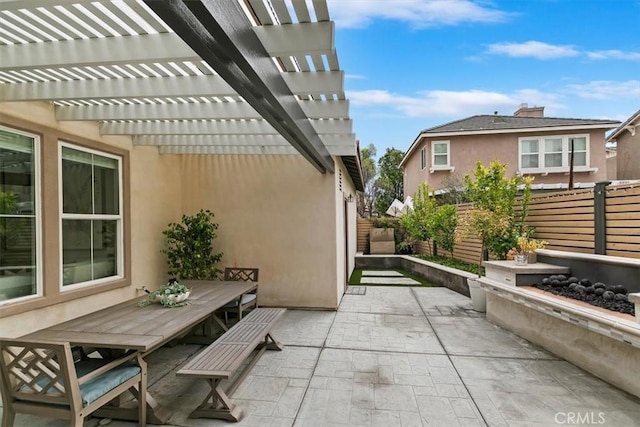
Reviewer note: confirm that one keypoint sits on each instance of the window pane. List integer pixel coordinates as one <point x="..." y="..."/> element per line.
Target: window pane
<point x="76" y="251"/>
<point x="17" y="257"/>
<point x="553" y="145"/>
<point x="17" y="216"/>
<point x="529" y="146"/>
<point x="440" y="160"/>
<point x="553" y="160"/>
<point x="106" y="185"/>
<point x="579" y="144"/>
<point x="104" y="249"/>
<point x="530" y="160"/>
<point x="579" y="159"/>
<point x="440" y="148"/>
<point x="76" y="181"/>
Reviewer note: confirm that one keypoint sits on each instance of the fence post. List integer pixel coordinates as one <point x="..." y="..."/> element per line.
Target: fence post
<point x="599" y="217"/>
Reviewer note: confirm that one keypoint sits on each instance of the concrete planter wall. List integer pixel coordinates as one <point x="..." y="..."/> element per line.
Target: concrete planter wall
<point x="603" y="268"/>
<point x="606" y="345"/>
<point x="452" y="278"/>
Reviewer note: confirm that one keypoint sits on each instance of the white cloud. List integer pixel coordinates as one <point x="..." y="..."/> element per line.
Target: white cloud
<point x="532" y="49"/>
<point x="614" y="54"/>
<point x="418" y="13"/>
<point x="605" y="89"/>
<point x="457" y="104"/>
<point x="355" y="76"/>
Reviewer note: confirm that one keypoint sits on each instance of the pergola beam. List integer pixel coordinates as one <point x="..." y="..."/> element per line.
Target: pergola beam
<point x="248" y="149"/>
<point x="211" y="127"/>
<point x="312" y="38"/>
<point x="160" y="87"/>
<point x="221" y="34"/>
<point x="233" y="140"/>
<point x="192" y="111"/>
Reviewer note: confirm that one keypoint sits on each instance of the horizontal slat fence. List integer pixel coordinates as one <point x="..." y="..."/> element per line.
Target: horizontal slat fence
<point x="623" y="221"/>
<point x="566" y="220"/>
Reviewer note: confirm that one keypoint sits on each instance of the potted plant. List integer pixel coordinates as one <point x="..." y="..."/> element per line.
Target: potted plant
<point x="526" y="247"/>
<point x="172" y="294"/>
<point x="189" y="250"/>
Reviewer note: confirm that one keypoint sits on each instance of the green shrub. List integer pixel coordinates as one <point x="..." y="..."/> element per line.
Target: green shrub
<point x="189" y="248"/>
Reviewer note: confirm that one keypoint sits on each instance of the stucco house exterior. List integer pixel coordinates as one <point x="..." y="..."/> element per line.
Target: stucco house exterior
<point x="116" y="118"/>
<point x="627" y="137"/>
<point x="527" y="142"/>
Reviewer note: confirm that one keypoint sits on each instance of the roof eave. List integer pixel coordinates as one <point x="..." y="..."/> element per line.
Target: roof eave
<point x="423" y="134"/>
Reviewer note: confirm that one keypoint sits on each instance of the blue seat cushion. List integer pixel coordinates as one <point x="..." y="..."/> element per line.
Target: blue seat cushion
<point x="102" y="384"/>
<point x="97" y="387"/>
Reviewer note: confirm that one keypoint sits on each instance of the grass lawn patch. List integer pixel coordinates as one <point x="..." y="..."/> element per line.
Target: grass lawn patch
<point x="356" y="277"/>
<point x="451" y="262"/>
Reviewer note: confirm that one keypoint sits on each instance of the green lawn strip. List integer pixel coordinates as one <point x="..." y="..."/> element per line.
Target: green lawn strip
<point x="356" y="277"/>
<point x="450" y="262"/>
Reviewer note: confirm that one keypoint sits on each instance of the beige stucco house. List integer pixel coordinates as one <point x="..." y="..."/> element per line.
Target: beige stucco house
<point x="117" y="118"/>
<point x="527" y="142"/>
<point x="626" y="138"/>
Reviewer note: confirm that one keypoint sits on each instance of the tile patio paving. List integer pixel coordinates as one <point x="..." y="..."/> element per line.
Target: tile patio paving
<point x="395" y="356"/>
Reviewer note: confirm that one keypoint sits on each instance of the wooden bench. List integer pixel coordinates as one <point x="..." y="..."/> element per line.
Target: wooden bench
<point x="221" y="359"/>
<point x="42" y="378"/>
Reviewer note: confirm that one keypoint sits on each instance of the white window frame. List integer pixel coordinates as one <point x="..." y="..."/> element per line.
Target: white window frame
<point x="564" y="168"/>
<point x="119" y="218"/>
<point x="423" y="158"/>
<point x="435" y="167"/>
<point x="37" y="199"/>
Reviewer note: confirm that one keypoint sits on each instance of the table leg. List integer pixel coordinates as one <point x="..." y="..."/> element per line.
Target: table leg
<point x="156" y="413"/>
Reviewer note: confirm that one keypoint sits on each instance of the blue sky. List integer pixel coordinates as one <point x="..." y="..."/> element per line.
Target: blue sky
<point x="414" y="64"/>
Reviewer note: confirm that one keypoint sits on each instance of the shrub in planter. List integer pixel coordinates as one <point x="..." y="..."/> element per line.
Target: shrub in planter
<point x="189" y="250"/>
<point x="494" y="196"/>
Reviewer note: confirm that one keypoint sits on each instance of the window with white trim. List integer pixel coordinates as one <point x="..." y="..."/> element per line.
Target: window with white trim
<point x="553" y="153"/>
<point x="440" y="155"/>
<point x="91" y="219"/>
<point x="423" y="158"/>
<point x="20" y="263"/>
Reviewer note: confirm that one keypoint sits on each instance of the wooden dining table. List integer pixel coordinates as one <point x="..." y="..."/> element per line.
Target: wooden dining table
<point x="127" y="326"/>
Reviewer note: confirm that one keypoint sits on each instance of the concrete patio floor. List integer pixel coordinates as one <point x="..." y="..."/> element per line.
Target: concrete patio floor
<point x="395" y="356"/>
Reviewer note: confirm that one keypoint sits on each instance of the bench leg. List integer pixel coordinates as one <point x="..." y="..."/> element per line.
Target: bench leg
<point x="217" y="405"/>
<point x="271" y="343"/>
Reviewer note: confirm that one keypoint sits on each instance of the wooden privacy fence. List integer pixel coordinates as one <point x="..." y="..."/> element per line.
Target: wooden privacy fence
<point x="604" y="220"/>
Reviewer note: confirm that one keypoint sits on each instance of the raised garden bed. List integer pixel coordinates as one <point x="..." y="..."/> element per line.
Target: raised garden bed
<point x="602" y="342"/>
<point x="451" y="278"/>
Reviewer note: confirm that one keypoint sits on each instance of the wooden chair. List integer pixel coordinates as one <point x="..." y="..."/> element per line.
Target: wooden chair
<point x="42" y="378"/>
<point x="247" y="301"/>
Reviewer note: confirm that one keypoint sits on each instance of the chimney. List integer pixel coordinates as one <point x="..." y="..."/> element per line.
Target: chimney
<point x="525" y="111"/>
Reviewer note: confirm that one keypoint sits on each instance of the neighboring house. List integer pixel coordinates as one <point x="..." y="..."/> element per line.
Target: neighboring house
<point x="117" y="118"/>
<point x="527" y="142"/>
<point x="627" y="140"/>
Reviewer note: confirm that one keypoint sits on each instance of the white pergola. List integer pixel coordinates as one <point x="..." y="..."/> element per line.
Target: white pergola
<point x="187" y="76"/>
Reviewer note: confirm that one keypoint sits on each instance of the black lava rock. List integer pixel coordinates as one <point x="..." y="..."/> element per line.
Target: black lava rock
<point x="621" y="297"/>
<point x="610" y="297"/>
